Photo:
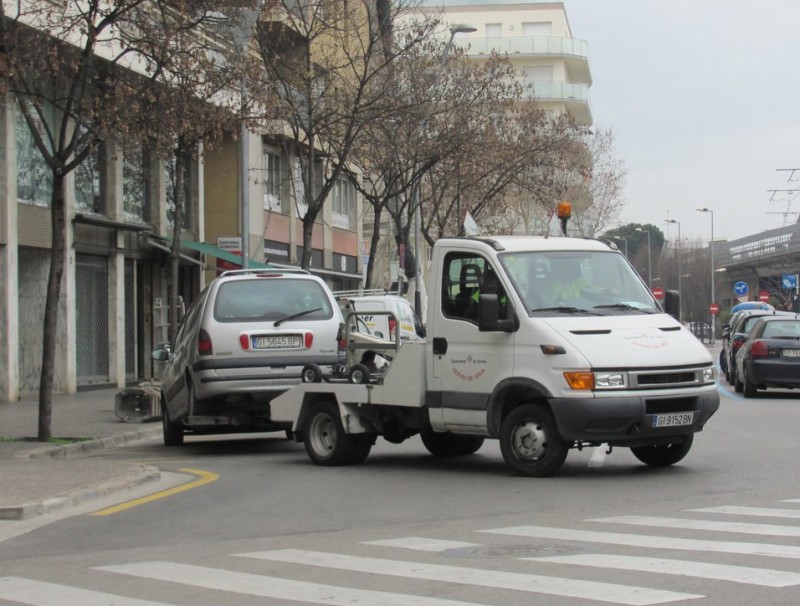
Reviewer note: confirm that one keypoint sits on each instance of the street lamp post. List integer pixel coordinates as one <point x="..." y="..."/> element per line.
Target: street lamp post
<point x="678" y="249"/>
<point x="626" y="243"/>
<point x="711" y="254"/>
<point x="649" y="266"/>
<point x="454" y="29"/>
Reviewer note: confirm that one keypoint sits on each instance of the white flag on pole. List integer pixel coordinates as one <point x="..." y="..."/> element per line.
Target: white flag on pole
<point x="470" y="227"/>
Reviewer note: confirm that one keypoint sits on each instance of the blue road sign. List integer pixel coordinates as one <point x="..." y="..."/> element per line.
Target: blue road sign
<point x="740" y="289"/>
<point x="789" y="281"/>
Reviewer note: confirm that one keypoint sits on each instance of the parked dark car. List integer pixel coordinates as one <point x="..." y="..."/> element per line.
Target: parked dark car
<point x="770" y="356"/>
<point x="739" y="327"/>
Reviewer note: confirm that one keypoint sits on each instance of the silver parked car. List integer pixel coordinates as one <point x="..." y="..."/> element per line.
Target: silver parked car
<point x="243" y="341"/>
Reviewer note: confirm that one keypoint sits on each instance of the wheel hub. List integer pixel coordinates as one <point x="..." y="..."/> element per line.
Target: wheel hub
<point x="530" y="441"/>
<point x="323" y="434"/>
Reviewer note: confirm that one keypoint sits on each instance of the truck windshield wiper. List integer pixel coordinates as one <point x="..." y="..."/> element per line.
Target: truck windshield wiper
<point x="624" y="306"/>
<point x="297" y="315"/>
<point x="566" y="310"/>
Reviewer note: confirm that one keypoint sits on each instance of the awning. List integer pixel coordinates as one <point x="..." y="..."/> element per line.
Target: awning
<point x="225" y="255"/>
<point x="161" y="243"/>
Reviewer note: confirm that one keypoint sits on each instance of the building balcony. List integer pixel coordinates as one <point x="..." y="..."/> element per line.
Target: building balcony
<point x="574" y="51"/>
<point x="574" y="96"/>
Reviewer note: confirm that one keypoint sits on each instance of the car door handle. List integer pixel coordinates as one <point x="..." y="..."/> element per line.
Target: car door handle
<point x="439" y="346"/>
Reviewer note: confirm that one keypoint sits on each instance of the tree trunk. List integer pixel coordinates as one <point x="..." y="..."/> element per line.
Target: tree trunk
<point x="175" y="254"/>
<point x="50" y="327"/>
<point x="373" y="245"/>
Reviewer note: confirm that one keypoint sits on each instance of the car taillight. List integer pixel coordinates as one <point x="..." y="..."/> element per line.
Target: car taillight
<point x="309" y="339"/>
<point x="204" y="347"/>
<point x="735" y="345"/>
<point x="759" y="349"/>
<point x="244" y="341"/>
<point x="392" y="327"/>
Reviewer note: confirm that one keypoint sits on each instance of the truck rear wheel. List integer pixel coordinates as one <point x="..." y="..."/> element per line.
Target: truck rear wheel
<point x="663" y="455"/>
<point x="326" y="441"/>
<point x="530" y="442"/>
<point x="446" y="444"/>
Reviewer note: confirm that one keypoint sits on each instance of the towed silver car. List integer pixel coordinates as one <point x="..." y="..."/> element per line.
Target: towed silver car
<point x="243" y="341"/>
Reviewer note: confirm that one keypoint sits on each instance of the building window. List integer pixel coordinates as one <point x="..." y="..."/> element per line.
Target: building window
<point x="541" y="28"/>
<point x="272" y="180"/>
<point x="34" y="177"/>
<point x="494" y="30"/>
<point x="88" y="195"/>
<point x="299" y="189"/>
<point x="344" y="204"/>
<point x="134" y="184"/>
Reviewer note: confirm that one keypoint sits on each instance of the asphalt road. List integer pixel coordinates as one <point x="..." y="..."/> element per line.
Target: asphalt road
<point x="405" y="528"/>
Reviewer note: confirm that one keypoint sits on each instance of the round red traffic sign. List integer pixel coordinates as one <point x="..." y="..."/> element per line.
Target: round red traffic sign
<point x="763" y="296"/>
<point x="713" y="308"/>
<point x="658" y="292"/>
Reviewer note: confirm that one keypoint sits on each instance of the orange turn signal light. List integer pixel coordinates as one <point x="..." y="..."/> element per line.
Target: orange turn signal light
<point x="580" y="379"/>
<point x="564" y="210"/>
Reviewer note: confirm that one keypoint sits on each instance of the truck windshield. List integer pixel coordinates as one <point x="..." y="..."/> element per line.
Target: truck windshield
<point x="578" y="283"/>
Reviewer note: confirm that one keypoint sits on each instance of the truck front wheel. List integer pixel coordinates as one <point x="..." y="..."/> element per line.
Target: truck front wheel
<point x="663" y="455"/>
<point x="530" y="442"/>
<point x="326" y="441"/>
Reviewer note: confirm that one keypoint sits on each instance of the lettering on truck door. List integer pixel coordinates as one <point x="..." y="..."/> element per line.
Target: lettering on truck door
<point x="474" y="362"/>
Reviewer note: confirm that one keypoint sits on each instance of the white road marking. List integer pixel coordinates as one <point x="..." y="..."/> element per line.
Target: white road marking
<point x="652" y="542"/>
<point x="272" y="587"/>
<point x="573" y="588"/>
<point x="41" y="593"/>
<point x="763" y="512"/>
<point x="702" y="570"/>
<point x="422" y="544"/>
<point x="738" y="527"/>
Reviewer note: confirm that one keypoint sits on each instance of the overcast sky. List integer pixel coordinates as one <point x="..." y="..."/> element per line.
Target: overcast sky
<point x="703" y="98"/>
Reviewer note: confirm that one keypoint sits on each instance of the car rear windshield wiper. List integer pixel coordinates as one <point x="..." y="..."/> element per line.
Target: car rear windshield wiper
<point x="297" y="315"/>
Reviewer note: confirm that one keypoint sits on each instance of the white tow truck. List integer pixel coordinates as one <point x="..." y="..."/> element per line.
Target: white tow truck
<point x="544" y="343"/>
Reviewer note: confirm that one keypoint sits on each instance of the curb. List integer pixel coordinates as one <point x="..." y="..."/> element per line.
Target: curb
<point x="137" y="477"/>
<point x="79" y="448"/>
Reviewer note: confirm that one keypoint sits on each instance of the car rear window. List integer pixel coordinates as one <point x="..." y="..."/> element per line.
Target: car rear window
<point x="270" y="299"/>
<point x="782" y="330"/>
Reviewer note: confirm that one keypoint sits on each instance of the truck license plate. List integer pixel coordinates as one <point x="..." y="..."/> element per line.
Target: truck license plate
<point x="277" y="342"/>
<point x="673" y="420"/>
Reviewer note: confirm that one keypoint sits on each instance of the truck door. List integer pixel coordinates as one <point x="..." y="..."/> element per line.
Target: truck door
<point x="467" y="364"/>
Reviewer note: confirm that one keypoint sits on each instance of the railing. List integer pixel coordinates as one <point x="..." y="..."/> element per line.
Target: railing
<point x="528" y="45"/>
<point x="770" y="243"/>
<point x="546" y="89"/>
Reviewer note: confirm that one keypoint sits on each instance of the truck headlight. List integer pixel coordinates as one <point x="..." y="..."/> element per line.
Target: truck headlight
<point x="709" y="375"/>
<point x="610" y="380"/>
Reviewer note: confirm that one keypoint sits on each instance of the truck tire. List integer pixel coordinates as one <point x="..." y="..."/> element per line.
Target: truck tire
<point x="530" y="442"/>
<point x="446" y="444"/>
<point x="173" y="432"/>
<point x="325" y="439"/>
<point x="723" y="365"/>
<point x="362" y="445"/>
<point x="663" y="455"/>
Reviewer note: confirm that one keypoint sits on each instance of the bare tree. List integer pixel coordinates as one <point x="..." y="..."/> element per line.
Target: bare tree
<point x="69" y="66"/>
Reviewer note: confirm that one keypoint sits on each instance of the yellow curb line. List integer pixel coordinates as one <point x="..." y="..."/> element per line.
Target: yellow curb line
<point x="204" y="477"/>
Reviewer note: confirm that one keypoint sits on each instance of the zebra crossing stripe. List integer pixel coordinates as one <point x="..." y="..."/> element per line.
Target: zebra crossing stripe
<point x="685" y="524"/>
<point x="763" y="512"/>
<point x="41" y="593"/>
<point x="649" y="541"/>
<point x="573" y="588"/>
<point x="703" y="570"/>
<point x="270" y="587"/>
<point x="422" y="544"/>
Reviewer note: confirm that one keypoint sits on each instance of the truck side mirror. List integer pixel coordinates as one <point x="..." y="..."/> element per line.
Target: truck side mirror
<point x="489" y="315"/>
<point x="672" y="303"/>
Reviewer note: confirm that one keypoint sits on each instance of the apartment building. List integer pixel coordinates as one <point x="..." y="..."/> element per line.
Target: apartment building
<point x="537" y="39"/>
<point x="119" y="229"/>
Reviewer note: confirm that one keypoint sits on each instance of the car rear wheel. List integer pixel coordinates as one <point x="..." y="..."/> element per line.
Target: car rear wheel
<point x="749" y="388"/>
<point x="530" y="442"/>
<point x="663" y="455"/>
<point x="173" y="432"/>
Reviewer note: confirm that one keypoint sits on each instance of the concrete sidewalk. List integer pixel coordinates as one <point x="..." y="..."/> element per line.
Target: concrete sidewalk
<point x="38" y="478"/>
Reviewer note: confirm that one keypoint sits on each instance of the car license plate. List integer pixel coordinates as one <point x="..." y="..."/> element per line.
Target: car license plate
<point x="791" y="353"/>
<point x="673" y="420"/>
<point x="277" y="342"/>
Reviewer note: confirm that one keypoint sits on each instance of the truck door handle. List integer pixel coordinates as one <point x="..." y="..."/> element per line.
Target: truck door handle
<point x="439" y="346"/>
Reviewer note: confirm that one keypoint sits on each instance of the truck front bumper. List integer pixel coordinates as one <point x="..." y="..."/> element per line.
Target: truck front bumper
<point x="633" y="420"/>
